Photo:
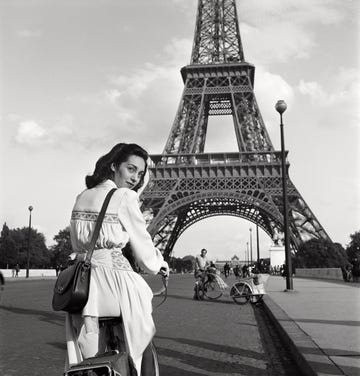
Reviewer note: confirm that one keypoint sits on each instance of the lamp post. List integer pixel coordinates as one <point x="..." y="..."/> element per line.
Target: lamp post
<point x="29" y="237"/>
<point x="281" y="108"/>
<point x="251" y="255"/>
<point x="247" y="251"/>
<point x="257" y="246"/>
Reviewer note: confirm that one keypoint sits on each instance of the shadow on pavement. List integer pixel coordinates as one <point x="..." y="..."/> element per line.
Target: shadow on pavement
<point x="168" y="370"/>
<point x="218" y="366"/>
<point x="49" y="317"/>
<point x="218" y="301"/>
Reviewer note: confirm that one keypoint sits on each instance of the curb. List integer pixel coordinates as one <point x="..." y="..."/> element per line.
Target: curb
<point x="307" y="355"/>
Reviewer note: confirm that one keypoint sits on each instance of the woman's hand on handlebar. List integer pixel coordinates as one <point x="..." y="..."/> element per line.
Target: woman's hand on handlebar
<point x="164" y="270"/>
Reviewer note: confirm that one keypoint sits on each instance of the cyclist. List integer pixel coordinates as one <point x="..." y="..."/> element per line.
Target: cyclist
<point x="201" y="263"/>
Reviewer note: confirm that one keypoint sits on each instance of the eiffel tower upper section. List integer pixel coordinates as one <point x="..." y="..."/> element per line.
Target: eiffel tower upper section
<point x="188" y="184"/>
<point x="218" y="81"/>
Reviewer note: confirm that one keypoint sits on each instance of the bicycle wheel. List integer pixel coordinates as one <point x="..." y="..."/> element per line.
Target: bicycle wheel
<point x="240" y="293"/>
<point x="254" y="299"/>
<point x="212" y="290"/>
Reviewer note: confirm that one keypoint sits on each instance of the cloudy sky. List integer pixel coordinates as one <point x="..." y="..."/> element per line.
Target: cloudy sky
<point x="78" y="76"/>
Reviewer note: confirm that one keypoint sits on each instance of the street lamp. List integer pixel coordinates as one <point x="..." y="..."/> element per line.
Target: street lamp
<point x="250" y="229"/>
<point x="29" y="237"/>
<point x="281" y="108"/>
<point x="257" y="246"/>
<point x="247" y="251"/>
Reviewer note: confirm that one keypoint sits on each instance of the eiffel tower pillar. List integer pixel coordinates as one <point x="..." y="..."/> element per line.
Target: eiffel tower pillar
<point x="188" y="185"/>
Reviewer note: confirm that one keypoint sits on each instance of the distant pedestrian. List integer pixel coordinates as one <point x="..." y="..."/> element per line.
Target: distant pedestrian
<point x="2" y="284"/>
<point x="348" y="273"/>
<point x="245" y="271"/>
<point x="13" y="272"/>
<point x="236" y="271"/>
<point x="2" y="280"/>
<point x="17" y="270"/>
<point x="226" y="270"/>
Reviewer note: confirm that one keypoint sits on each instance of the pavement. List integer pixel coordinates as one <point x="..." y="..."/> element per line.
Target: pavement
<point x="319" y="320"/>
<point x="320" y="323"/>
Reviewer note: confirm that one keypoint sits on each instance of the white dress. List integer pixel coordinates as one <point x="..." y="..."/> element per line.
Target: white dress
<point x="115" y="289"/>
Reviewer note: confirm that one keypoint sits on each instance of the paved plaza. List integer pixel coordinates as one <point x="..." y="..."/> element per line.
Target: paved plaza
<point x="319" y="321"/>
<point x="193" y="337"/>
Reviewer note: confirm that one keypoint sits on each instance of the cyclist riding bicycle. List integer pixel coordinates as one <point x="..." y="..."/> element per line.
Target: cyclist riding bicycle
<point x="201" y="263"/>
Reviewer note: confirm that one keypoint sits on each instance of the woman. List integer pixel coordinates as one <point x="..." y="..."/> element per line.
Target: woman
<point x="115" y="289"/>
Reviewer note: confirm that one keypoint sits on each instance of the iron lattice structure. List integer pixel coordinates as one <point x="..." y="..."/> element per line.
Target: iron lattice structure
<point x="188" y="185"/>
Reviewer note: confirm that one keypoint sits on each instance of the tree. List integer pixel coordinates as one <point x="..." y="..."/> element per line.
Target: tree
<point x="62" y="249"/>
<point x="39" y="253"/>
<point x="180" y="264"/>
<point x="353" y="248"/>
<point x="8" y="249"/>
<point x="353" y="253"/>
<point x="320" y="253"/>
<point x="14" y="246"/>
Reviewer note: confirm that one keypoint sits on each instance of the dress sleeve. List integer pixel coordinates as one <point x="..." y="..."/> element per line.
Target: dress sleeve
<point x="148" y="257"/>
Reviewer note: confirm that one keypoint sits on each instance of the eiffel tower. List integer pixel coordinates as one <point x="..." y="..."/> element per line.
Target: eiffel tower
<point x="188" y="185"/>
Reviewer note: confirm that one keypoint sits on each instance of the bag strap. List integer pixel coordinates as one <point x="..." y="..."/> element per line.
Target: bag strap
<point x="98" y="226"/>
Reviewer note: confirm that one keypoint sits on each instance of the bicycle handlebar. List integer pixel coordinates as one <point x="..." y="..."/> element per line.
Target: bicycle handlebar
<point x="165" y="281"/>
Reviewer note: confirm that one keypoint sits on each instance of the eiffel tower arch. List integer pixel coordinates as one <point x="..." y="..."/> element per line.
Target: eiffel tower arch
<point x="188" y="185"/>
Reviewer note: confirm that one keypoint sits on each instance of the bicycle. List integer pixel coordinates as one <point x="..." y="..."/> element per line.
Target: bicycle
<point x="248" y="289"/>
<point x="210" y="286"/>
<point x="114" y="359"/>
<point x="244" y="290"/>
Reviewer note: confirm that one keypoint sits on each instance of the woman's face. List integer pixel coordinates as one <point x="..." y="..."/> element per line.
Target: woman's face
<point x="128" y="174"/>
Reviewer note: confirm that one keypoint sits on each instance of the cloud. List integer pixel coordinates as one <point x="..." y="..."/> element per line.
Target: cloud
<point x="141" y="79"/>
<point x="138" y="104"/>
<point x="30" y="132"/>
<point x="139" y="97"/>
<point x="28" y="34"/>
<point x="113" y="95"/>
<point x="343" y="92"/>
<point x="347" y="88"/>
<point x="275" y="30"/>
<point x="269" y="88"/>
<point x="267" y="44"/>
<point x="303" y="12"/>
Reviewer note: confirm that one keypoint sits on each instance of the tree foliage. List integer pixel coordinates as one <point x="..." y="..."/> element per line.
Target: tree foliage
<point x="181" y="264"/>
<point x="8" y="249"/>
<point x="353" y="248"/>
<point x="353" y="253"/>
<point x="320" y="253"/>
<point x="15" y="244"/>
<point x="62" y="249"/>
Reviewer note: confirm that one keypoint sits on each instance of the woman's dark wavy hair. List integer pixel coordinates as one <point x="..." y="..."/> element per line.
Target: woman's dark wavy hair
<point x="117" y="155"/>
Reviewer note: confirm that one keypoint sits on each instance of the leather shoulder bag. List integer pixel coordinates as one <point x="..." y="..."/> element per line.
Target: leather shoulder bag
<point x="71" y="289"/>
